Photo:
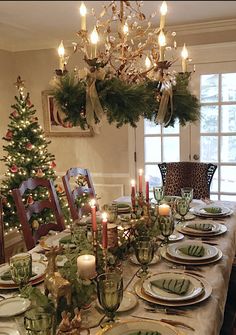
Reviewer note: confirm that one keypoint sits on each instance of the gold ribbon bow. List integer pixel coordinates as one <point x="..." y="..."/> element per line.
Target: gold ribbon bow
<point x="93" y="105"/>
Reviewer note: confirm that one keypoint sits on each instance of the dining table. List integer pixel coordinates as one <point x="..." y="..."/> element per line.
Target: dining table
<point x="203" y="318"/>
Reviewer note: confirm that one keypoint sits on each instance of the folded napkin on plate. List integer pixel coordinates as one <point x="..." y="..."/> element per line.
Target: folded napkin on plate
<point x="7" y="275"/>
<point x="200" y="226"/>
<point x="65" y="239"/>
<point x="212" y="210"/>
<point x="193" y="250"/>
<point x="177" y="286"/>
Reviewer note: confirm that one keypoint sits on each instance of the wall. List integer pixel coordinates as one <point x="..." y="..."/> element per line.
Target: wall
<point x="106" y="155"/>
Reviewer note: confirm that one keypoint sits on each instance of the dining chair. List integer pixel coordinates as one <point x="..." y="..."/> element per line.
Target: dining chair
<point x="78" y="190"/>
<point x="197" y="175"/>
<point x="2" y="245"/>
<point x="25" y="211"/>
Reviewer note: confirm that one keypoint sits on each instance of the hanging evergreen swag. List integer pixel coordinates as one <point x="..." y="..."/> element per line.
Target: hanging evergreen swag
<point x="125" y="103"/>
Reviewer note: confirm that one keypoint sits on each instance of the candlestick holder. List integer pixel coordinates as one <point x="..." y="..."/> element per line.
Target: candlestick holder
<point x="104" y="251"/>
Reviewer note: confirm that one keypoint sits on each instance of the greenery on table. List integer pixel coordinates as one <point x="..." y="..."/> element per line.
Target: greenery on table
<point x="126" y="103"/>
<point x="27" y="156"/>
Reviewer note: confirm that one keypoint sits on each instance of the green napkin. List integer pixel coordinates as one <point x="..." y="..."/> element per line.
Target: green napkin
<point x="65" y="240"/>
<point x="193" y="250"/>
<point x="177" y="286"/>
<point x="213" y="210"/>
<point x="7" y="275"/>
<point x="200" y="226"/>
<point x="121" y="205"/>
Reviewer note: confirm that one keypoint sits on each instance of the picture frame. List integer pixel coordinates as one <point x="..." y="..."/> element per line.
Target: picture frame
<point x="53" y="120"/>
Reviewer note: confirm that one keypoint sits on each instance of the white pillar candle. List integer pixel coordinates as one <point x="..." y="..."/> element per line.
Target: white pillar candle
<point x="86" y="265"/>
<point x="164" y="209"/>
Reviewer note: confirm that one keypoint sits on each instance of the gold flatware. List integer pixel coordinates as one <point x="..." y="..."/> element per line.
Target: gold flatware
<point x="166" y="311"/>
<point x="170" y="322"/>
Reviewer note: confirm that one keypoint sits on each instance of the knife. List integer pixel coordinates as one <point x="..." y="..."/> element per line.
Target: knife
<point x="170" y="322"/>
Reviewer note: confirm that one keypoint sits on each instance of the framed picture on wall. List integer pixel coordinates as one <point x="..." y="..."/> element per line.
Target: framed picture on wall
<point x="54" y="123"/>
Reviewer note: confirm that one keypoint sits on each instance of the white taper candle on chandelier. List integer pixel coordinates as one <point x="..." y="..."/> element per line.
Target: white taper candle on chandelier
<point x="61" y="54"/>
<point x="184" y="55"/>
<point x="94" y="40"/>
<point x="83" y="12"/>
<point x="162" y="44"/>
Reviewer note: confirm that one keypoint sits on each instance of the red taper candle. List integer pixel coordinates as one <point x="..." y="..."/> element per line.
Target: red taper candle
<point x="104" y="230"/>
<point x="140" y="178"/>
<point x="147" y="188"/>
<point x="133" y="193"/>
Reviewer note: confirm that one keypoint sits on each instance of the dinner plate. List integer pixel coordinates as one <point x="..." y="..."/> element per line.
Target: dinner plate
<point x="129" y="301"/>
<point x="187" y="217"/>
<point x="179" y="227"/>
<point x="134" y="260"/>
<point x="207" y="290"/>
<point x="189" y="227"/>
<point x="173" y="250"/>
<point x="13" y="306"/>
<point x="195" y="287"/>
<point x="199" y="210"/>
<point x="191" y="262"/>
<point x="134" y="327"/>
<point x="8" y="331"/>
<point x="37" y="267"/>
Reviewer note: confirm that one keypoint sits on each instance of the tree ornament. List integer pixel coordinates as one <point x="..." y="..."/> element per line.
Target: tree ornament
<point x="9" y="135"/>
<point x="34" y="119"/>
<point x="59" y="189"/>
<point x="30" y="200"/>
<point x="39" y="173"/>
<point x="15" y="114"/>
<point x="35" y="225"/>
<point x="14" y="168"/>
<point x="29" y="146"/>
<point x="53" y="164"/>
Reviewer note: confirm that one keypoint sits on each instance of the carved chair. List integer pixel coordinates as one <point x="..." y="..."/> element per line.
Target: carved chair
<point x="77" y="191"/>
<point x="2" y="248"/>
<point x="187" y="174"/>
<point x="26" y="211"/>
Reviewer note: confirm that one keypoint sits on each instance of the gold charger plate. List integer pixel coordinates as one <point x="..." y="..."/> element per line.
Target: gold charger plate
<point x="138" y="287"/>
<point x="221" y="231"/>
<point x="192" y="262"/>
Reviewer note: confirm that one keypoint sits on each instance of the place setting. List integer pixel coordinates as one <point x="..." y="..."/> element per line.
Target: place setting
<point x="211" y="211"/>
<point x="206" y="228"/>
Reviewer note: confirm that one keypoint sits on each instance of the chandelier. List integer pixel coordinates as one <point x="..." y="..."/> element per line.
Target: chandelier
<point x="125" y="47"/>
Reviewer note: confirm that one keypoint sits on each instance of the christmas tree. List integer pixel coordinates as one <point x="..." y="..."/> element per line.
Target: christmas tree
<point x="27" y="156"/>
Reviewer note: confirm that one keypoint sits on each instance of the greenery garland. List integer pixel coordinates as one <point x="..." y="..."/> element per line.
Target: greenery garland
<point x="125" y="103"/>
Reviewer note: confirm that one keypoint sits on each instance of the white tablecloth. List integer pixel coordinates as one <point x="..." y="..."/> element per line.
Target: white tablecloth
<point x="206" y="317"/>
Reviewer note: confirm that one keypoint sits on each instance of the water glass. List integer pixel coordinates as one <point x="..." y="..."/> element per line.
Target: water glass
<point x="21" y="268"/>
<point x="182" y="207"/>
<point x="158" y="193"/>
<point x="38" y="321"/>
<point x="110" y="292"/>
<point x="144" y="248"/>
<point x="167" y="226"/>
<point x="187" y="193"/>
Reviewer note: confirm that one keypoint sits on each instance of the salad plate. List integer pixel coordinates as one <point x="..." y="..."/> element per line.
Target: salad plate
<point x="177" y="280"/>
<point x="38" y="268"/>
<point x="13" y="306"/>
<point x="141" y="327"/>
<point x="182" y="228"/>
<point x="211" y="211"/>
<point x="4" y="330"/>
<point x="179" y="250"/>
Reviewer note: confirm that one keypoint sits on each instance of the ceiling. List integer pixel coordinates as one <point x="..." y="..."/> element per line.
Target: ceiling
<point x="30" y="25"/>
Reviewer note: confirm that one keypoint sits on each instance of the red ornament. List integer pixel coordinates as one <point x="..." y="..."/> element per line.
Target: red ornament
<point x="29" y="146"/>
<point x="15" y="114"/>
<point x="30" y="200"/>
<point x="29" y="104"/>
<point x="39" y="173"/>
<point x="59" y="189"/>
<point x="14" y="168"/>
<point x="34" y="119"/>
<point x="9" y="135"/>
<point x="53" y="164"/>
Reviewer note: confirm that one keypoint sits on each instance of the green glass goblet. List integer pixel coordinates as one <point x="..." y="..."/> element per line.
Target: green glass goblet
<point x="38" y="321"/>
<point x="167" y="226"/>
<point x="110" y="293"/>
<point x="144" y="248"/>
<point x="158" y="193"/>
<point x="182" y="208"/>
<point x="21" y="268"/>
<point x="187" y="193"/>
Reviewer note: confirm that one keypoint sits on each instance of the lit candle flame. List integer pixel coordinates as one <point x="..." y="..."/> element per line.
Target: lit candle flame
<point x="61" y="50"/>
<point x="147" y="63"/>
<point x="94" y="36"/>
<point x="132" y="182"/>
<point x="140" y="171"/>
<point x="161" y="39"/>
<point x="146" y="178"/>
<point x="184" y="52"/>
<point x="126" y="28"/>
<point x="104" y="216"/>
<point x="83" y="9"/>
<point x="92" y="203"/>
<point x="163" y="9"/>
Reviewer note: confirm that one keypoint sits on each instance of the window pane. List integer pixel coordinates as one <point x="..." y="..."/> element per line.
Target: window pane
<point x="228" y="118"/>
<point x="214" y="197"/>
<point x="209" y="119"/>
<point x="154" y="176"/>
<point x="152" y="147"/>
<point x="209" y="148"/>
<point x="229" y="87"/>
<point x="228" y="179"/>
<point x="171" y="130"/>
<point x="228" y="197"/>
<point x="209" y="88"/>
<point x="228" y="149"/>
<point x="151" y="128"/>
<point x="171" y="149"/>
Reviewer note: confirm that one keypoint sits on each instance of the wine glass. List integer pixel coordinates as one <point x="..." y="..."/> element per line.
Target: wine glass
<point x="167" y="226"/>
<point x="21" y="268"/>
<point x="110" y="292"/>
<point x="182" y="207"/>
<point x="158" y="192"/>
<point x="187" y="193"/>
<point x="144" y="248"/>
